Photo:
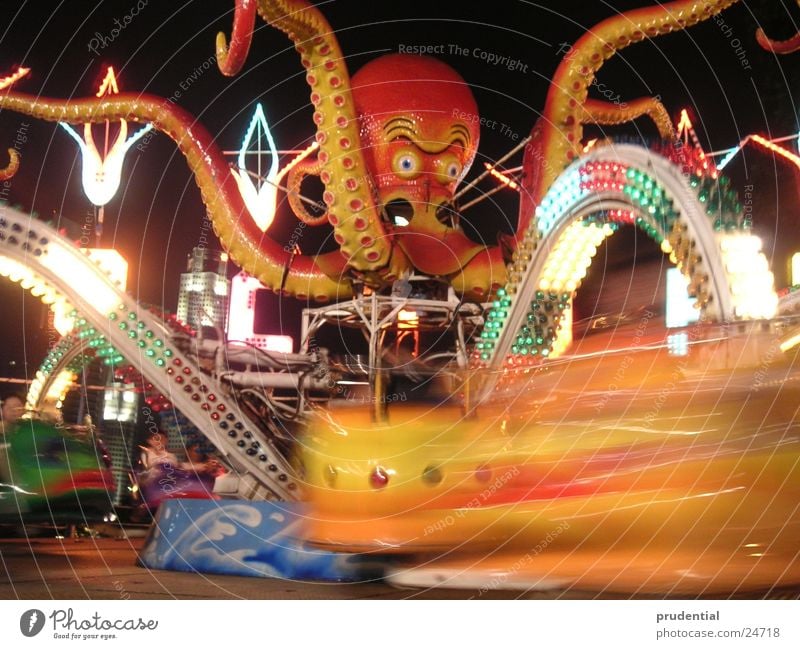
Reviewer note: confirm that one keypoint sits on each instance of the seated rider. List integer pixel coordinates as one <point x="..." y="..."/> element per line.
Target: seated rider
<point x="198" y="461"/>
<point x="12" y="409"/>
<point x="155" y="452"/>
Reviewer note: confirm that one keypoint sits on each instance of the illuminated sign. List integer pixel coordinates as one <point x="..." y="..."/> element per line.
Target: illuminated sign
<point x="242" y="317"/>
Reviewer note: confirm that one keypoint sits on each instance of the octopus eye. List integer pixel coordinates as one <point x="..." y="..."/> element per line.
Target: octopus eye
<point x="406" y="165"/>
<point x="453" y="170"/>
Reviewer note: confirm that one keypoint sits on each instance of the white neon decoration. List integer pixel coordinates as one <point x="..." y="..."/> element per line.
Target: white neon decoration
<point x="261" y="198"/>
<point x="795" y="269"/>
<point x="101" y="175"/>
<point x="242" y="316"/>
<point x="680" y="310"/>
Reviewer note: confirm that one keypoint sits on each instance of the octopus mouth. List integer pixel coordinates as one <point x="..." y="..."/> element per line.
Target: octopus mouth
<point x="400" y="212"/>
<point x="447" y="215"/>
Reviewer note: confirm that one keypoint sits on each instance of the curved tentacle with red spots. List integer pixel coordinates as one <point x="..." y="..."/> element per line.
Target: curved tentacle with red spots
<point x="12" y="167"/>
<point x="256" y="253"/>
<point x="789" y="46"/>
<point x="294" y="182"/>
<point x="556" y="138"/>
<point x="608" y="113"/>
<point x="231" y="59"/>
<point x="352" y="210"/>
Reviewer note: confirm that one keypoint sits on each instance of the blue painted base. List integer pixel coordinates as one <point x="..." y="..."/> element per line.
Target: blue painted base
<point x="251" y="539"/>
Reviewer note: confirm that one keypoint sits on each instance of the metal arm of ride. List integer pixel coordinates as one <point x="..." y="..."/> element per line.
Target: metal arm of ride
<point x="143" y="339"/>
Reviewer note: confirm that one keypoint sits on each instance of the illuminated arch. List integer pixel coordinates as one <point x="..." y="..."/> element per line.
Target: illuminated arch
<point x="697" y="220"/>
<point x="37" y="257"/>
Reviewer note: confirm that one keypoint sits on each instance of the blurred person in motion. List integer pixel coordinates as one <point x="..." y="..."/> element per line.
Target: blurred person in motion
<point x="155" y="452"/>
<point x="12" y="409"/>
<point x="198" y="461"/>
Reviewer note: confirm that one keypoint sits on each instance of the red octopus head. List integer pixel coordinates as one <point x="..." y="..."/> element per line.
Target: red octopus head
<point x="420" y="129"/>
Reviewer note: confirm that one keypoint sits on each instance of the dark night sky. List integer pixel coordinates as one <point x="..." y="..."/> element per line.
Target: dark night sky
<point x="156" y="217"/>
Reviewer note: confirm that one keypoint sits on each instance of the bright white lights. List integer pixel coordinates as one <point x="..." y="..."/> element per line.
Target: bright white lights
<point x="48" y="294"/>
<point x="752" y="284"/>
<point x="241" y="317"/>
<point x="55" y="394"/>
<point x="680" y="310"/>
<point x="94" y="289"/>
<point x="571" y="257"/>
<point x="565" y="191"/>
<point x="110" y="262"/>
<point x="678" y="344"/>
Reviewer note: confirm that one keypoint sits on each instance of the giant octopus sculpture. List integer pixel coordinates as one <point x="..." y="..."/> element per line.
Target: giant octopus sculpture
<point x="397" y="136"/>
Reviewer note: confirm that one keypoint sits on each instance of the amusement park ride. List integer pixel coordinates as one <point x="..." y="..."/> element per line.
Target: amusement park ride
<point x="635" y="458"/>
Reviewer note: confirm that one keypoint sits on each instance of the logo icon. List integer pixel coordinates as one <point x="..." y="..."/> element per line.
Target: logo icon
<point x="31" y="622"/>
